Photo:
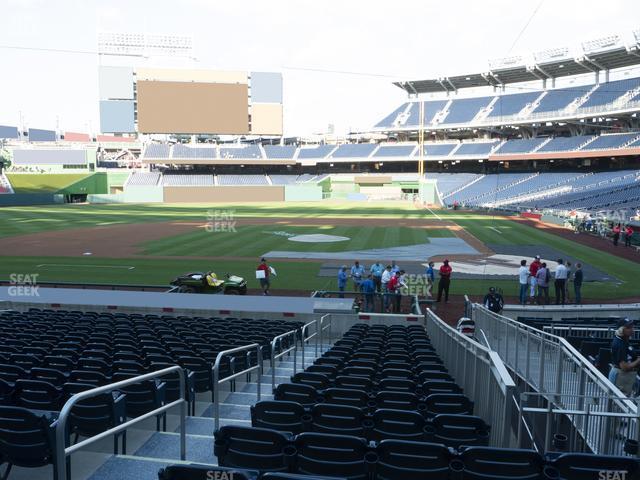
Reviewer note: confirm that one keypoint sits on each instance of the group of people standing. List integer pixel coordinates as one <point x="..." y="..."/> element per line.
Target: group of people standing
<point x="537" y="278"/>
<point x="618" y="230"/>
<point x="378" y="279"/>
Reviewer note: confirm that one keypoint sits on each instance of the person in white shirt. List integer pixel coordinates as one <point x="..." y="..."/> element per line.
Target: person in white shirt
<point x="523" y="279"/>
<point x="560" y="282"/>
<point x="384" y="280"/>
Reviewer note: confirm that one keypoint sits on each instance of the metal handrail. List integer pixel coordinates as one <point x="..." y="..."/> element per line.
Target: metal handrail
<point x="304" y="339"/>
<point x="322" y="329"/>
<point x="274" y="343"/>
<point x="480" y="372"/>
<point x="216" y="375"/>
<point x="563" y="375"/>
<point x="62" y="451"/>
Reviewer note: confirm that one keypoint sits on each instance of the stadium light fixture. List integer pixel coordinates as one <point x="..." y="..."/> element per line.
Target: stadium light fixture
<point x="144" y="45"/>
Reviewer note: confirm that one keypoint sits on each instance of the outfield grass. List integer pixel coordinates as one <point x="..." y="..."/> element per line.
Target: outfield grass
<point x="256" y="240"/>
<point x="250" y="241"/>
<point x="149" y="271"/>
<point x="33" y="219"/>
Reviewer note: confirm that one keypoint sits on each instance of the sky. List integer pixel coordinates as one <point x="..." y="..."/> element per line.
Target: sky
<point x="338" y="58"/>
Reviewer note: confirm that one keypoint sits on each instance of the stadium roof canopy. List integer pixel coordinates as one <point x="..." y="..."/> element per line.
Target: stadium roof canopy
<point x="602" y="54"/>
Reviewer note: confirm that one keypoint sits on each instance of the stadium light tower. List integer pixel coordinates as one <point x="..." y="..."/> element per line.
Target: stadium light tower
<point x="144" y="45"/>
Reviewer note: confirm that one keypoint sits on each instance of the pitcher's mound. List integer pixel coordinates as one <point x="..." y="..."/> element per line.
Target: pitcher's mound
<point x="318" y="238"/>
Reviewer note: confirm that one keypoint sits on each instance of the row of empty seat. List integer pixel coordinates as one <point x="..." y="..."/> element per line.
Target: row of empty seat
<point x="534" y="105"/>
<point x="450" y="149"/>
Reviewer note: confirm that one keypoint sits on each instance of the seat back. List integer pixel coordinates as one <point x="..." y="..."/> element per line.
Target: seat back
<point x="26" y="440"/>
<point x="316" y="380"/>
<point x="300" y="393"/>
<point x="347" y="396"/>
<point x="487" y="462"/>
<point x="397" y="424"/>
<point x="403" y="459"/>
<point x="37" y="394"/>
<point x="204" y="472"/>
<point x="279" y="415"/>
<point x="584" y="466"/>
<point x="332" y="455"/>
<point x="453" y="403"/>
<point x="338" y="419"/>
<point x="458" y="430"/>
<point x="96" y="414"/>
<point x="255" y="448"/>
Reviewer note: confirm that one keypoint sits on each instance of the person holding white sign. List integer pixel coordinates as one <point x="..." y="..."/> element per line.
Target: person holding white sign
<point x="263" y="272"/>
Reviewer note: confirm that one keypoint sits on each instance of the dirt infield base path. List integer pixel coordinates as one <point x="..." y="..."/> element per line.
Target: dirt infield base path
<point x="126" y="240"/>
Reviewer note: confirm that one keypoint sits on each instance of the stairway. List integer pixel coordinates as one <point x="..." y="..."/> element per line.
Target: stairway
<point x="149" y="450"/>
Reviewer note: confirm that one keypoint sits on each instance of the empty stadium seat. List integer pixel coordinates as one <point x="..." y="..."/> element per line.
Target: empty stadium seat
<point x="341" y="455"/>
<point x="396" y="424"/>
<point x="579" y="466"/>
<point x="253" y="448"/>
<point x="458" y="430"/>
<point x="484" y="463"/>
<point x="300" y="393"/>
<point x="280" y="415"/>
<point x="398" y="459"/>
<point x="338" y="419"/>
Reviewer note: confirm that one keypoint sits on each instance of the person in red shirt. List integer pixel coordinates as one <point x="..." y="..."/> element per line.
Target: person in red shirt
<point x="533" y="270"/>
<point x="445" y="281"/>
<point x="392" y="287"/>
<point x="616" y="234"/>
<point x="264" y="282"/>
<point x="628" y="233"/>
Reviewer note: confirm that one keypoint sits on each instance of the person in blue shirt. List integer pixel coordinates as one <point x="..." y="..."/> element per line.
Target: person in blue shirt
<point x="431" y="278"/>
<point x="394" y="267"/>
<point x="368" y="287"/>
<point x="342" y="280"/>
<point x="376" y="274"/>
<point x="357" y="274"/>
<point x="625" y="363"/>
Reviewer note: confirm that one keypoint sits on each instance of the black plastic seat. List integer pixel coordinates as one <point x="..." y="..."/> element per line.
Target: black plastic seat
<point x="333" y="455"/>
<point x="328" y="370"/>
<point x="366" y="372"/>
<point x="144" y="397"/>
<point x="398" y="400"/>
<point x="399" y="384"/>
<point x="347" y="396"/>
<point x="6" y="392"/>
<point x="399" y="459"/>
<point x="51" y="375"/>
<point x="316" y="380"/>
<point x="11" y="373"/>
<point x="253" y="448"/>
<point x="448" y="403"/>
<point x="459" y="430"/>
<point x="338" y="419"/>
<point x="37" y="395"/>
<point x="397" y="424"/>
<point x="201" y="370"/>
<point x="358" y="383"/>
<point x="482" y="463"/>
<point x="204" y="472"/>
<point x="26" y="440"/>
<point x="63" y="364"/>
<point x="439" y="386"/>
<point x="88" y="376"/>
<point x="300" y="393"/>
<point x="280" y="415"/>
<point x="96" y="414"/>
<point x="396" y="373"/>
<point x="585" y="466"/>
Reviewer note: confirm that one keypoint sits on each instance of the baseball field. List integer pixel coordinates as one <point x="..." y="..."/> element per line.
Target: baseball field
<point x="305" y="242"/>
